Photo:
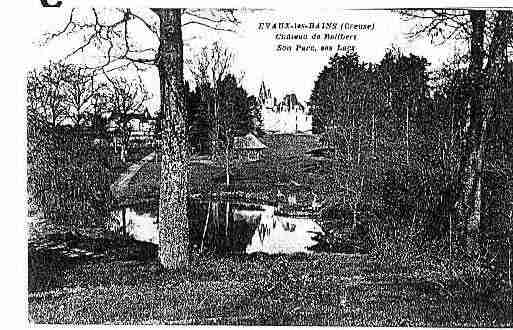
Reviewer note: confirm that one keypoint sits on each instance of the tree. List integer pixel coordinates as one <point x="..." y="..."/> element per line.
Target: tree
<point x="173" y="226"/>
<point x="68" y="179"/>
<point x="234" y="116"/>
<point x="212" y="65"/>
<point x="405" y="82"/>
<point x="113" y="36"/>
<point x="340" y="107"/>
<point x="255" y="109"/>
<point x="46" y="95"/>
<point x="369" y="114"/>
<point x="198" y="123"/>
<point x="126" y="101"/>
<point x="489" y="35"/>
<point x="62" y="93"/>
<point x="80" y="91"/>
<point x="98" y="120"/>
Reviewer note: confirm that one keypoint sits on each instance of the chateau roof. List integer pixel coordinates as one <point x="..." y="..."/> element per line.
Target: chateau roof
<point x="264" y="93"/>
<point x="290" y="100"/>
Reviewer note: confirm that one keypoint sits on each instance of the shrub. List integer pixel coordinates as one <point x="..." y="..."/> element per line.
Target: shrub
<point x="397" y="248"/>
<point x="68" y="177"/>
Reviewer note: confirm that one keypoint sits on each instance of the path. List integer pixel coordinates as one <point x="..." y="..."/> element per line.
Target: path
<point x="123" y="181"/>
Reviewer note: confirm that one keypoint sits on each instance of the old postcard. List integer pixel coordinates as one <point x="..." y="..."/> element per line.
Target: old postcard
<point x="269" y="166"/>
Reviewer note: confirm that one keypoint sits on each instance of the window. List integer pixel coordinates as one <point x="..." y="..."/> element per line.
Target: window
<point x="252" y="155"/>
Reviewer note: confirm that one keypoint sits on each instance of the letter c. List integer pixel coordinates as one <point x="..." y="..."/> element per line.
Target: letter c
<point x="45" y="3"/>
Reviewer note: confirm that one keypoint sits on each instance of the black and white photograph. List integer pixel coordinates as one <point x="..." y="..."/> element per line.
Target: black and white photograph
<point x="312" y="166"/>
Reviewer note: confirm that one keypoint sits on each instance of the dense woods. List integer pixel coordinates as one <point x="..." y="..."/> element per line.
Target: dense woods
<point x="425" y="152"/>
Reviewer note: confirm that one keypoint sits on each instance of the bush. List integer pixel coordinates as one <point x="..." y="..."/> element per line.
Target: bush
<point x="397" y="248"/>
<point x="407" y="250"/>
<point x="68" y="176"/>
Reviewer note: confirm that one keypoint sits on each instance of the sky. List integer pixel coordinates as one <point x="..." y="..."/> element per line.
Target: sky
<point x="255" y="50"/>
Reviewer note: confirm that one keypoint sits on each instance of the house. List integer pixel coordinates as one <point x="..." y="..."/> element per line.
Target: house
<point x="248" y="147"/>
<point x="140" y="127"/>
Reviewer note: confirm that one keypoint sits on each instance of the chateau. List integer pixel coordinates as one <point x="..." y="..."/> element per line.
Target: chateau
<point x="287" y="116"/>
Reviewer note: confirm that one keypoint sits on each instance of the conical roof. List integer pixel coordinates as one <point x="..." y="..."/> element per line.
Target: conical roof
<point x="248" y="141"/>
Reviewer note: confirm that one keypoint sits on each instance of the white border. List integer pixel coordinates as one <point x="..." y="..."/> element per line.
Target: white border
<point x="15" y="48"/>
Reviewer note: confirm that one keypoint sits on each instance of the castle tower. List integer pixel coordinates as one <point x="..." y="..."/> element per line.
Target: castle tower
<point x="263" y="94"/>
<point x="265" y="97"/>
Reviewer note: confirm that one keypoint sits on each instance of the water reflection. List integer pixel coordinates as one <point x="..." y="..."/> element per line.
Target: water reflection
<point x="227" y="227"/>
<point x="142" y="226"/>
<point x="279" y="234"/>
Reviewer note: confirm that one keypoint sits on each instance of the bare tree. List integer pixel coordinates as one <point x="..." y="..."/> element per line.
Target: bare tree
<point x="46" y="94"/>
<point x="80" y="91"/>
<point x="62" y="92"/>
<point x="123" y="37"/>
<point x="126" y="100"/>
<point x="115" y="37"/>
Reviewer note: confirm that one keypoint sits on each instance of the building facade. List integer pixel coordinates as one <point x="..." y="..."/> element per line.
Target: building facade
<point x="286" y="116"/>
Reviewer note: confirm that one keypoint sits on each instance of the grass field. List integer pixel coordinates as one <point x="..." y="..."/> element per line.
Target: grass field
<point x="126" y="285"/>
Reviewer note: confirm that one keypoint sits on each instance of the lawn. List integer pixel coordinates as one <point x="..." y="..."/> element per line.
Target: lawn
<point x="283" y="165"/>
<point x="123" y="283"/>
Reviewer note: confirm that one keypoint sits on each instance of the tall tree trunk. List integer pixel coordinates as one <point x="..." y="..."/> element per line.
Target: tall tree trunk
<point x="213" y="133"/>
<point x="484" y="83"/>
<point x="206" y="226"/>
<point x="227" y="166"/>
<point x="173" y="225"/>
<point x="408" y="135"/>
<point x="510" y="232"/>
<point x="123" y="151"/>
<point x="216" y="118"/>
<point x="227" y="221"/>
<point x="373" y="133"/>
<point x="467" y="166"/>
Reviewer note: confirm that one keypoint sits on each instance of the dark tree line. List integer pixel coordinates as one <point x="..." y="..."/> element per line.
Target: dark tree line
<point x="425" y="147"/>
<point x="369" y="113"/>
<point x="235" y="115"/>
<point x="68" y="175"/>
<point x="70" y="166"/>
<point x="489" y="36"/>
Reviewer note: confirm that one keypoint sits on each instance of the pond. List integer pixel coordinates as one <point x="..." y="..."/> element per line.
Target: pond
<point x="230" y="227"/>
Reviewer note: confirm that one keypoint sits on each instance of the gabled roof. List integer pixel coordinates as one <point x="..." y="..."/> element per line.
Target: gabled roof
<point x="248" y="141"/>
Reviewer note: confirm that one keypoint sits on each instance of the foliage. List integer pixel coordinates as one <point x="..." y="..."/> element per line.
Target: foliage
<point x="235" y="116"/>
<point x="68" y="176"/>
<point x="219" y="108"/>
<point x="397" y="133"/>
<point x="198" y="122"/>
<point x="369" y="114"/>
